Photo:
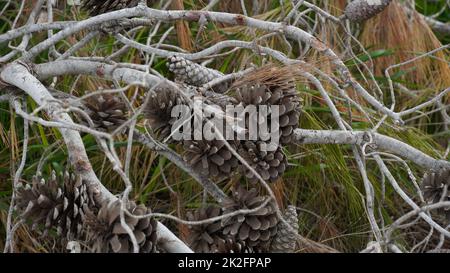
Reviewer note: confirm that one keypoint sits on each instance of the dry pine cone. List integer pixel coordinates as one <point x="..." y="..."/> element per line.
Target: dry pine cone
<point x="270" y="165"/>
<point x="203" y="238"/>
<point x="109" y="234"/>
<point x="210" y="158"/>
<point x="286" y="99"/>
<point x="256" y="229"/>
<point x="55" y="204"/>
<point x="194" y="74"/>
<point x="231" y="245"/>
<point x="272" y="86"/>
<point x="158" y="110"/>
<point x="106" y="111"/>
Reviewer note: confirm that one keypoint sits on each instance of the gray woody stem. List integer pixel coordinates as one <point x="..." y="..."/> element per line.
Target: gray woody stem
<point x="360" y="137"/>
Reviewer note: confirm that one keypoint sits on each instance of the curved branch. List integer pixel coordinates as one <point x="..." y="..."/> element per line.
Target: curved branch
<point x="383" y="142"/>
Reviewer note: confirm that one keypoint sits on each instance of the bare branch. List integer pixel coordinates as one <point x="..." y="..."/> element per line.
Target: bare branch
<point x="382" y="142"/>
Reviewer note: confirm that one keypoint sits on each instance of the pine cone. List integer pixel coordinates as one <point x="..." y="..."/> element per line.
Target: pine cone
<point x="110" y="236"/>
<point x="96" y="7"/>
<point x="158" y="110"/>
<point x="203" y="238"/>
<point x="285" y="240"/>
<point x="194" y="74"/>
<point x="433" y="184"/>
<point x="231" y="245"/>
<point x="106" y="111"/>
<point x="210" y="158"/>
<point x="55" y="204"/>
<point x="284" y="95"/>
<point x="256" y="229"/>
<point x="270" y="165"/>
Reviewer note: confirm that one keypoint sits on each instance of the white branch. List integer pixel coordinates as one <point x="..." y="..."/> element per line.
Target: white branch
<point x="383" y="142"/>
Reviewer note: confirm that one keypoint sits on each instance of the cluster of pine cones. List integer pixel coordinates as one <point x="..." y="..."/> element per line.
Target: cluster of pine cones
<point x="260" y="231"/>
<point x="269" y="85"/>
<point x="63" y="205"/>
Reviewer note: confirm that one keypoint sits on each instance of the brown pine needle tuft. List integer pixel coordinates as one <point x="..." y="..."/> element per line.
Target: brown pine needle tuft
<point x="410" y="36"/>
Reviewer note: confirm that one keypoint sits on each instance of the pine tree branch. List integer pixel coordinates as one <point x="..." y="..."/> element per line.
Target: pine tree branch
<point x="380" y="141"/>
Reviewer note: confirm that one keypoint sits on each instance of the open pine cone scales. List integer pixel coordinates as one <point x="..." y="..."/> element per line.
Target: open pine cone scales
<point x="106" y="111"/>
<point x="111" y="236"/>
<point x="255" y="229"/>
<point x="76" y="204"/>
<point x="55" y="204"/>
<point x="270" y="165"/>
<point x="211" y="158"/>
<point x="159" y="108"/>
<point x="231" y="245"/>
<point x="203" y="238"/>
<point x="40" y="201"/>
<point x="284" y="96"/>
